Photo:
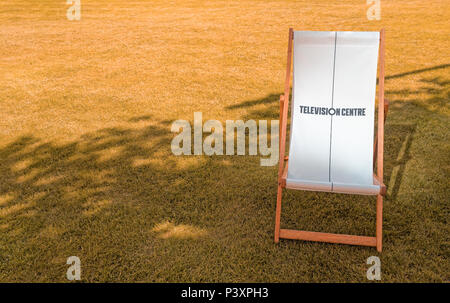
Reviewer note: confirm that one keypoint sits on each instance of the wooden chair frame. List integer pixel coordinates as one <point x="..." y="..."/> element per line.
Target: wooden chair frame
<point x="378" y="156"/>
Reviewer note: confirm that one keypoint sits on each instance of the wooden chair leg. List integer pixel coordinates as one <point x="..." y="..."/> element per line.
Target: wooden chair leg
<point x="278" y="214"/>
<point x="379" y="233"/>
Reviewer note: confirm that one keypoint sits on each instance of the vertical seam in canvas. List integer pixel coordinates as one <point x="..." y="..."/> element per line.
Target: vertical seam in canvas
<point x="332" y="103"/>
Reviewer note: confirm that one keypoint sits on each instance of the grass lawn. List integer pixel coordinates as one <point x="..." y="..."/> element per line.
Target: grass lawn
<point x="86" y="167"/>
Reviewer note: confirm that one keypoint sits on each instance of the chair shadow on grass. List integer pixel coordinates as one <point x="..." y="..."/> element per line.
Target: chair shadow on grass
<point x="398" y="140"/>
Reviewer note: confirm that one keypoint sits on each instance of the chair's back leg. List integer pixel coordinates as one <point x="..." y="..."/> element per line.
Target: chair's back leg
<point x="284" y="101"/>
<point x="281" y="119"/>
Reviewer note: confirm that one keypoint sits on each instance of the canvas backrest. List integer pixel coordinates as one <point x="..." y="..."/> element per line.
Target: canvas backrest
<point x="333" y="104"/>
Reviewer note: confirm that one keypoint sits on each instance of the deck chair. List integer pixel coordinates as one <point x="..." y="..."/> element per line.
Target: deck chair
<point x="332" y="146"/>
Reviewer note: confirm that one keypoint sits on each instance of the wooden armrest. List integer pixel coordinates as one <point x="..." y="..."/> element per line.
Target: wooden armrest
<point x="382" y="186"/>
<point x="282" y="180"/>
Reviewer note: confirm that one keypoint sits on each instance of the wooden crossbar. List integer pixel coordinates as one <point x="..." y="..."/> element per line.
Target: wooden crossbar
<point x="327" y="237"/>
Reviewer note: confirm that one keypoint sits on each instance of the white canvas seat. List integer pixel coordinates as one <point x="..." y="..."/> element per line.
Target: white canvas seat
<point x="331" y="141"/>
<point x="333" y="71"/>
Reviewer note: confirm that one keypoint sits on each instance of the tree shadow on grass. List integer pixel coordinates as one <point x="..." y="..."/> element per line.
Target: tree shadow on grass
<point x="271" y="98"/>
<point x="418" y="71"/>
<point x="117" y="196"/>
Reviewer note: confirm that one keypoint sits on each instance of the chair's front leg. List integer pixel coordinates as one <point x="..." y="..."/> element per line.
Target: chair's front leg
<point x="278" y="214"/>
<point x="379" y="231"/>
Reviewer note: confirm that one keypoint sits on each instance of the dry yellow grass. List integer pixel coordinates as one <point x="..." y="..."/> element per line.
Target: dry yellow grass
<point x="85" y="161"/>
